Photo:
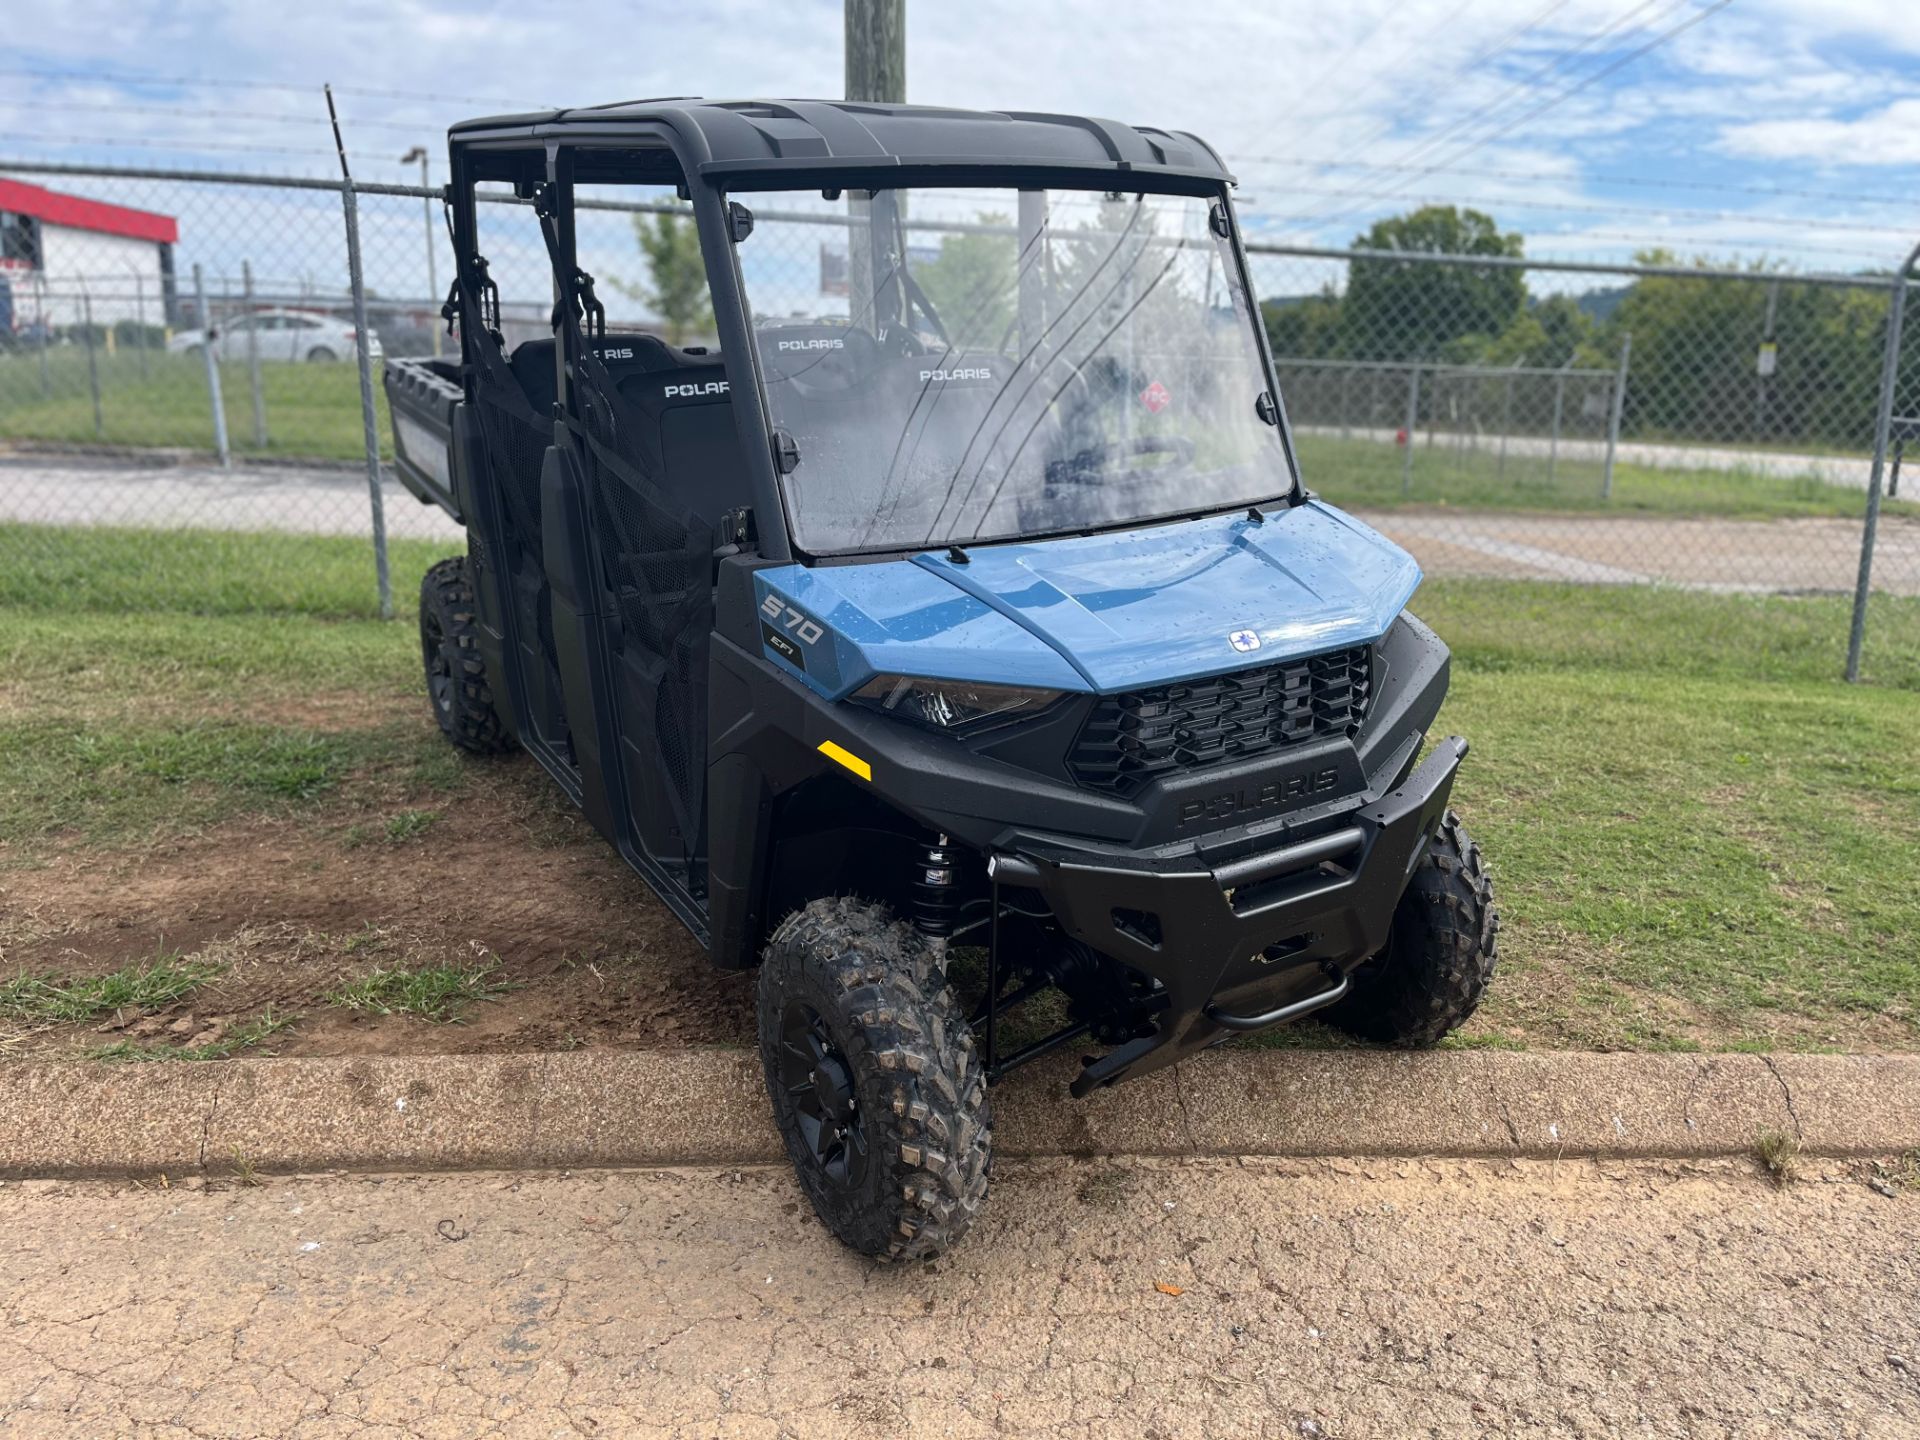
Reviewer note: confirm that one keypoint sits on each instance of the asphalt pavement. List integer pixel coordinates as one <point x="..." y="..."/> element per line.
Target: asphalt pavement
<point x="1145" y="1299"/>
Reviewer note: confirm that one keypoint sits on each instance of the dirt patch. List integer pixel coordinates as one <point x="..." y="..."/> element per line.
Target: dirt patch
<point x="502" y="873"/>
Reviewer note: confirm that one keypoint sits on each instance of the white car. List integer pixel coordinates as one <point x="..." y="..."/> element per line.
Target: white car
<point x="280" y="334"/>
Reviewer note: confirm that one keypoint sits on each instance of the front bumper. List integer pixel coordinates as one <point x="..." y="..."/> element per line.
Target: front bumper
<point x="1250" y="943"/>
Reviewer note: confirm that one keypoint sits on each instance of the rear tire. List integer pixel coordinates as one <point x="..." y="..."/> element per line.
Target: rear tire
<point x="456" y="674"/>
<point x="321" y="355"/>
<point x="1439" y="956"/>
<point x="876" y="1087"/>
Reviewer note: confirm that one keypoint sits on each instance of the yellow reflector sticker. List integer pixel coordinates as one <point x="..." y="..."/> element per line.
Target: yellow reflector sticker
<point x="847" y="758"/>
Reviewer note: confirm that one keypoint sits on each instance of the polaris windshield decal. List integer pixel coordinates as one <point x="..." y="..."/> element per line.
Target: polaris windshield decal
<point x="1244" y="640"/>
<point x="943" y="376"/>
<point x="811" y="345"/>
<point x="709" y="387"/>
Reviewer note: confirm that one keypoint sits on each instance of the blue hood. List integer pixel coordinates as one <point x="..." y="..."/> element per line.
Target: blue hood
<point x="1108" y="612"/>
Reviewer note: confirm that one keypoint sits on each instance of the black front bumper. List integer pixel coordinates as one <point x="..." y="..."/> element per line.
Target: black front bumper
<point x="1253" y="942"/>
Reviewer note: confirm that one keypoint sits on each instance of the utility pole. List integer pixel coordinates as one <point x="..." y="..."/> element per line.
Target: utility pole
<point x="876" y="38"/>
<point x="876" y="43"/>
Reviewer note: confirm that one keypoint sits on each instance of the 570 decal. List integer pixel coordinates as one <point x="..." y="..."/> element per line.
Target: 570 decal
<point x="781" y="625"/>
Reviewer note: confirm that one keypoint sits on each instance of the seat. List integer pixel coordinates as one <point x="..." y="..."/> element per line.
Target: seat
<point x="684" y="394"/>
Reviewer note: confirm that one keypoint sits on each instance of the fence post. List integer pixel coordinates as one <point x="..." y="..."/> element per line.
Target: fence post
<point x="1760" y="378"/>
<point x="369" y="420"/>
<point x="1882" y="425"/>
<point x="1506" y="424"/>
<point x="1413" y="421"/>
<point x="93" y="365"/>
<point x="1613" y="419"/>
<point x="43" y="328"/>
<point x="140" y="321"/>
<point x="253" y="358"/>
<point x="213" y="370"/>
<point x="1559" y="409"/>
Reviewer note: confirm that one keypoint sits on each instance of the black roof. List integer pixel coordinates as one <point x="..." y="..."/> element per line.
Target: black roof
<point x="741" y="138"/>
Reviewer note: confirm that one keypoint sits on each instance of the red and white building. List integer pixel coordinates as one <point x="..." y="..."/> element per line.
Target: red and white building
<point x="65" y="257"/>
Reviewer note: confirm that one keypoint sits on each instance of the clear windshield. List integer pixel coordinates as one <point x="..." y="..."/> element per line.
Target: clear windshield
<point x="955" y="366"/>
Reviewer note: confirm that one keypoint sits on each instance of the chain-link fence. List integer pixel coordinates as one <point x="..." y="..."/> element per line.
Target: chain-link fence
<point x="1647" y="423"/>
<point x="1503" y="418"/>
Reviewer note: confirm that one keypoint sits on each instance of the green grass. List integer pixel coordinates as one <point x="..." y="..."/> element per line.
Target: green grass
<point x="110" y="781"/>
<point x="1367" y="475"/>
<point x="242" y="1037"/>
<point x="1743" y="847"/>
<point x="431" y="992"/>
<point x="409" y="825"/>
<point x="57" y="1000"/>
<point x="155" y="681"/>
<point x="160" y="401"/>
<point x="1523" y="625"/>
<point x="204" y="572"/>
<point x="1701" y="837"/>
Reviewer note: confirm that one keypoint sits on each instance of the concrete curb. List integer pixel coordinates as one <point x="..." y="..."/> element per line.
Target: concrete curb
<point x="611" y="1108"/>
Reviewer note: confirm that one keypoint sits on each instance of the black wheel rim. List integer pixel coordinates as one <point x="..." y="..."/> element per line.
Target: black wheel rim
<point x="433" y="649"/>
<point x="819" y="1083"/>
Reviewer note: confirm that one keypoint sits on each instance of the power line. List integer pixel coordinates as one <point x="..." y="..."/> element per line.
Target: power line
<point x="1526" y="83"/>
<point x="226" y="83"/>
<point x="1326" y="77"/>
<point x="1479" y="57"/>
<point x="1670" y="243"/>
<point x="1650" y="182"/>
<point x="1523" y="204"/>
<point x="1590" y="79"/>
<point x="183" y="146"/>
<point x="316" y="118"/>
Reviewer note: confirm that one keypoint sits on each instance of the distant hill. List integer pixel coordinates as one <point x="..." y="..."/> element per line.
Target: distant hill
<point x="1600" y="304"/>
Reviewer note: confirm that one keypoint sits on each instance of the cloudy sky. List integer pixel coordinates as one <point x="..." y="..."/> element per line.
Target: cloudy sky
<point x="1741" y="129"/>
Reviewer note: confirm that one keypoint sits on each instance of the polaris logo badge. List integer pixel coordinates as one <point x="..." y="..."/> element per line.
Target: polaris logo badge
<point x="811" y="345"/>
<point x="982" y="373"/>
<point x="623" y="352"/>
<point x="1251" y="798"/>
<point x="1244" y="640"/>
<point x="710" y="387"/>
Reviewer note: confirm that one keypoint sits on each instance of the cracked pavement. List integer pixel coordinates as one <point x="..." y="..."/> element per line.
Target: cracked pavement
<point x="1143" y="1298"/>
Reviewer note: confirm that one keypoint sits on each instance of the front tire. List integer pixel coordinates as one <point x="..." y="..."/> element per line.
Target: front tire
<point x="1440" y="953"/>
<point x="876" y="1087"/>
<point x="321" y="355"/>
<point x="456" y="673"/>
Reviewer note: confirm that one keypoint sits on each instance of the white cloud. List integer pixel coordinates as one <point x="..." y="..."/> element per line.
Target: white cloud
<point x="1888" y="136"/>
<point x="1767" y="88"/>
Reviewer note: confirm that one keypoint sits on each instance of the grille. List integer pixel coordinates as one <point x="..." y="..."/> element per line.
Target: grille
<point x="1134" y="738"/>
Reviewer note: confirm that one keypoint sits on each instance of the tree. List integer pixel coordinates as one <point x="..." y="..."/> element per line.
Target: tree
<point x="1304" y="326"/>
<point x="679" y="294"/>
<point x="1397" y="309"/>
<point x="972" y="285"/>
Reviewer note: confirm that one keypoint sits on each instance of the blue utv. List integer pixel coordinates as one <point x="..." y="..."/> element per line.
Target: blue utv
<point x="952" y="638"/>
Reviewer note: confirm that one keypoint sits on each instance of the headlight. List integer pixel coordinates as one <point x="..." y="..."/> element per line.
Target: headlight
<point x="950" y="705"/>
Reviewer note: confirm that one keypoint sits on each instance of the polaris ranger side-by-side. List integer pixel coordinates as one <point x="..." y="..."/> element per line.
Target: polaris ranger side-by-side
<point x="956" y="639"/>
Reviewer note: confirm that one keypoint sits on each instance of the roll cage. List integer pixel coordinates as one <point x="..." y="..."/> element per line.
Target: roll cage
<point x="708" y="150"/>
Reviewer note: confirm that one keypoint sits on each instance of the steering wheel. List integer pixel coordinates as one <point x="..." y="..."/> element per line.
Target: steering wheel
<point x="1095" y="463"/>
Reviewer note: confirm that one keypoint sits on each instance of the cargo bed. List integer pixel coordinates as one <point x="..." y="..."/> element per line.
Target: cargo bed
<point x="421" y="394"/>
